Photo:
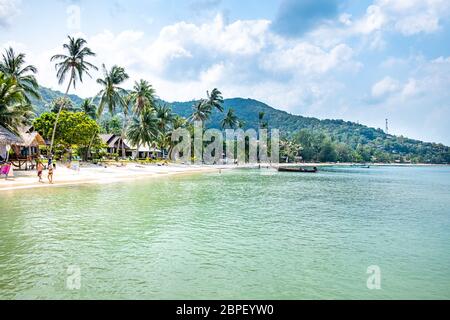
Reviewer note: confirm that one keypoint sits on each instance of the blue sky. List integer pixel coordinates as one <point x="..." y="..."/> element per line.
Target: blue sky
<point x="356" y="60"/>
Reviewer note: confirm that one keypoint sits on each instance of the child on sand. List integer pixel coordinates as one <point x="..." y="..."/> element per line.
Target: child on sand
<point x="40" y="168"/>
<point x="50" y="173"/>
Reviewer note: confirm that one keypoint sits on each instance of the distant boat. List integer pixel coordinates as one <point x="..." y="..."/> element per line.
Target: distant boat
<point x="362" y="166"/>
<point x="300" y="170"/>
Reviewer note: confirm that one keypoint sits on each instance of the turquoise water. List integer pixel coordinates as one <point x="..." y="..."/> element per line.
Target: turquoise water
<point x="240" y="234"/>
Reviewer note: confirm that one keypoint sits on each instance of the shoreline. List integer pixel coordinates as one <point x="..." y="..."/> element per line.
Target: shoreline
<point x="91" y="174"/>
<point x="63" y="176"/>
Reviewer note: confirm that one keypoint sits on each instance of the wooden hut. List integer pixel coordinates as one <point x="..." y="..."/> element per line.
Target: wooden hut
<point x="7" y="139"/>
<point x="27" y="150"/>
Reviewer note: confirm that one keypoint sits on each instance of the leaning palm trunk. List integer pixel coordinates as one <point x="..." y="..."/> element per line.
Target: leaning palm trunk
<point x="58" y="114"/>
<point x="122" y="136"/>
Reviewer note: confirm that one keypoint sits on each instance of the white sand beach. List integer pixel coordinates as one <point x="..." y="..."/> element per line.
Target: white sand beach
<point x="100" y="174"/>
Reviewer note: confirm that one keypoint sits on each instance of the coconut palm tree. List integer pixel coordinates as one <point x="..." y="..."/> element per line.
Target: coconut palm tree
<point x="74" y="66"/>
<point x="14" y="108"/>
<point x="202" y="111"/>
<point x="113" y="95"/>
<point x="179" y="122"/>
<point x="142" y="97"/>
<point x="88" y="106"/>
<point x="12" y="65"/>
<point x="262" y="124"/>
<point x="215" y="100"/>
<point x="165" y="117"/>
<point x="230" y="121"/>
<point x="204" y="108"/>
<point x="143" y="129"/>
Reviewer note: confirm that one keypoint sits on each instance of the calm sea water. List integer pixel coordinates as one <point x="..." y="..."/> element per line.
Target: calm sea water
<point x="239" y="234"/>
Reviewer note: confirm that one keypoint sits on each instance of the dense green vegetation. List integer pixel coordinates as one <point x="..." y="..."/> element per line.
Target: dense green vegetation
<point x="132" y="113"/>
<point x="345" y="141"/>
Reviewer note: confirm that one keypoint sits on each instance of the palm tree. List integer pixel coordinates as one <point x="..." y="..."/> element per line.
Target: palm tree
<point x="114" y="96"/>
<point x="166" y="120"/>
<point x="215" y="100"/>
<point x="143" y="129"/>
<point x="142" y="97"/>
<point x="12" y="65"/>
<point x="202" y="112"/>
<point x="165" y="117"/>
<point x="231" y="121"/>
<point x="73" y="65"/>
<point x="14" y="108"/>
<point x="262" y="124"/>
<point x="204" y="108"/>
<point x="88" y="106"/>
<point x="179" y="122"/>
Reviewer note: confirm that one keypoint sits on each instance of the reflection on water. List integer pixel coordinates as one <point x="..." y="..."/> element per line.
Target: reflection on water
<point x="239" y="234"/>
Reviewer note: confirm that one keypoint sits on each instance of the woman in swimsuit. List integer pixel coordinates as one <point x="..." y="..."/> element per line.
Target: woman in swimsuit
<point x="40" y="168"/>
<point x="50" y="174"/>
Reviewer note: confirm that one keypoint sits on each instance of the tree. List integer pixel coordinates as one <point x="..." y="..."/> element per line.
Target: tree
<point x="112" y="125"/>
<point x="202" y="111"/>
<point x="14" y="108"/>
<point x="204" y="108"/>
<point x="62" y="103"/>
<point x="262" y="124"/>
<point x="179" y="122"/>
<point x="143" y="130"/>
<point x="290" y="150"/>
<point x="165" y="117"/>
<point x="74" y="65"/>
<point x="230" y="121"/>
<point x="113" y="96"/>
<point x="12" y="65"/>
<point x="75" y="129"/>
<point x="142" y="97"/>
<point x="215" y="100"/>
<point x="327" y="152"/>
<point x="88" y="106"/>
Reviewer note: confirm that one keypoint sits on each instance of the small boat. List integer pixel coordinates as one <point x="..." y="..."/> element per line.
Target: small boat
<point x="301" y="170"/>
<point x="361" y="166"/>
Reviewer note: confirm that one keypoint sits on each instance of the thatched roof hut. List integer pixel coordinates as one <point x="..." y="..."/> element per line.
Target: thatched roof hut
<point x="30" y="138"/>
<point x="9" y="138"/>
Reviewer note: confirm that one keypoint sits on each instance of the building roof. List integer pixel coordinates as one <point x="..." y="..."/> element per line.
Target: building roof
<point x="8" y="138"/>
<point x="143" y="148"/>
<point x="30" y="138"/>
<point x="113" y="141"/>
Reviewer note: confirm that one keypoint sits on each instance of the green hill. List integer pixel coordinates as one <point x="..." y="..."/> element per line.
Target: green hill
<point x="48" y="95"/>
<point x="371" y="144"/>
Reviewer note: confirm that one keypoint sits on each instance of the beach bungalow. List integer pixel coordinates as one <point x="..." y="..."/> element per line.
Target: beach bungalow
<point x="27" y="150"/>
<point x="145" y="152"/>
<point x="114" y="144"/>
<point x="7" y="139"/>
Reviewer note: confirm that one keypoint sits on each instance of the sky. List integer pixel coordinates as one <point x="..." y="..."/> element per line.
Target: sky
<point x="357" y="60"/>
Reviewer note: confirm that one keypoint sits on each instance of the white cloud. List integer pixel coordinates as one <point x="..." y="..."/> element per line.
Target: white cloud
<point x="408" y="17"/>
<point x="8" y="10"/>
<point x="385" y="87"/>
<point x="307" y="59"/>
<point x="374" y="20"/>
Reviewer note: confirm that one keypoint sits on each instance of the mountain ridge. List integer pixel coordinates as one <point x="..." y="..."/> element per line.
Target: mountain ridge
<point x="354" y="135"/>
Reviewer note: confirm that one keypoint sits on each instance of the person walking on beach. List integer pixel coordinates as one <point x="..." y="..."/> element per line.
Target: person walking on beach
<point x="40" y="168"/>
<point x="50" y="174"/>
